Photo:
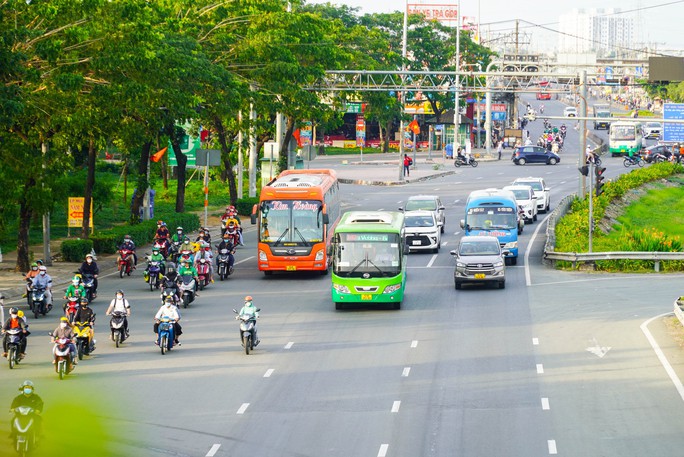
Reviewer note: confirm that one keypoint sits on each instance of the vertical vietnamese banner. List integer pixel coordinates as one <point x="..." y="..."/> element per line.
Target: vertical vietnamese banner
<point x="360" y="133"/>
<point x="75" y="213"/>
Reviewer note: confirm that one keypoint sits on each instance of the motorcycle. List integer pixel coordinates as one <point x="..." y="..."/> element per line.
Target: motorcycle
<point x="29" y="295"/>
<point x="125" y="262"/>
<point x="70" y="308"/>
<point x="89" y="285"/>
<point x="223" y="263"/>
<point x="116" y="325"/>
<point x="39" y="303"/>
<point x="173" y="251"/>
<point x="84" y="345"/>
<point x="166" y="334"/>
<point x="14" y="337"/>
<point x="462" y="161"/>
<point x="62" y="352"/>
<point x="633" y="161"/>
<point x="203" y="273"/>
<point x="187" y="289"/>
<point x="163" y="246"/>
<point x="22" y="429"/>
<point x="247" y="330"/>
<point x="152" y="274"/>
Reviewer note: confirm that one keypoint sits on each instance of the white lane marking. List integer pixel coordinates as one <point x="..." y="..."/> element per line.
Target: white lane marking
<point x="432" y="260"/>
<point x="244" y="260"/>
<point x="288" y="345"/>
<point x="661" y="356"/>
<point x="214" y="449"/>
<point x="451" y="268"/>
<point x="381" y="209"/>
<point x="535" y="341"/>
<point x="243" y="408"/>
<point x="457" y="233"/>
<point x="445" y="243"/>
<point x="545" y="404"/>
<point x="395" y="406"/>
<point x="405" y="373"/>
<point x="479" y="177"/>
<point x="383" y="450"/>
<point x="552" y="447"/>
<point x="540" y="368"/>
<point x="414" y="343"/>
<point x="268" y="373"/>
<point x="528" y="278"/>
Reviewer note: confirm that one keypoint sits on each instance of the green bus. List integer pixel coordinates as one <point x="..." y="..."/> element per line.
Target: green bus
<point x="369" y="258"/>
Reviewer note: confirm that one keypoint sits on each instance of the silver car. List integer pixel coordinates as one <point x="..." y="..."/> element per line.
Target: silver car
<point x="427" y="203"/>
<point x="479" y="260"/>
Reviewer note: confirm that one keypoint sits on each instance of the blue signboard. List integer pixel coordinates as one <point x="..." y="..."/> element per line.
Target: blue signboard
<point x="673" y="132"/>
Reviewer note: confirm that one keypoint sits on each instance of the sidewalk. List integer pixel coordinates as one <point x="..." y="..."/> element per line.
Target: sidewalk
<point x="371" y="170"/>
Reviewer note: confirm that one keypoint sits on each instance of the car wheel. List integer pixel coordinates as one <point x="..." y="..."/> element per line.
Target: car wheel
<point x="502" y="284"/>
<point x="521" y="161"/>
<point x="457" y="285"/>
<point x="548" y="206"/>
<point x="534" y="218"/>
<point x="553" y="161"/>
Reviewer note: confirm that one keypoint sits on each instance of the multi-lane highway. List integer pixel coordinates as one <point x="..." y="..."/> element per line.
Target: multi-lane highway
<point x="554" y="363"/>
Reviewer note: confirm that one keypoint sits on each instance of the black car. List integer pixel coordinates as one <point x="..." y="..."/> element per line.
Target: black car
<point x="534" y="154"/>
<point x="649" y="154"/>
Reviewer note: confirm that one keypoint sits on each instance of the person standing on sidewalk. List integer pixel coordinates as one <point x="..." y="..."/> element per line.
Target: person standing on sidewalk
<point x="499" y="148"/>
<point x="407" y="164"/>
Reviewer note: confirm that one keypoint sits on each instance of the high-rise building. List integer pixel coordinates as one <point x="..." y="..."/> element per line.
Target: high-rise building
<point x="602" y="31"/>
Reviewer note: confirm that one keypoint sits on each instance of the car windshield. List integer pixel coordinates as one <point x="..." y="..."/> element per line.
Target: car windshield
<point x="533" y="184"/>
<point x="479" y="248"/>
<point x="426" y="205"/>
<point x="419" y="221"/>
<point x="521" y="194"/>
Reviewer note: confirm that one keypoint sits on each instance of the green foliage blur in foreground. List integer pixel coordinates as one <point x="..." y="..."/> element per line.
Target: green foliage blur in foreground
<point x="643" y="228"/>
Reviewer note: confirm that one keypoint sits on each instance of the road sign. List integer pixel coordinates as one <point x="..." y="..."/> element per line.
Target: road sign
<point x="673" y="132"/>
<point x="75" y="212"/>
<point x="360" y="131"/>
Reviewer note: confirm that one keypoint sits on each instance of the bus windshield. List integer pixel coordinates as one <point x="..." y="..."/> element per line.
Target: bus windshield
<point x="367" y="255"/>
<point x="492" y="218"/>
<point x="291" y="222"/>
<point x="623" y="132"/>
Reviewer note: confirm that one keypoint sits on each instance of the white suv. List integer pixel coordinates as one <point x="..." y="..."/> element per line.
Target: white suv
<point x="421" y="231"/>
<point x="427" y="203"/>
<point x="541" y="191"/>
<point x="525" y="198"/>
<point x="570" y="111"/>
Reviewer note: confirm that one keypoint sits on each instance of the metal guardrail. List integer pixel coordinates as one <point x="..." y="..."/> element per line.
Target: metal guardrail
<point x="576" y="257"/>
<point x="678" y="311"/>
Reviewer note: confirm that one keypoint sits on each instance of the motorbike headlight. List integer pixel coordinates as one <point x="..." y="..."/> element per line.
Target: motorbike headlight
<point x="511" y="245"/>
<point x="319" y="256"/>
<point x="262" y="257"/>
<point x="341" y="288"/>
<point x="392" y="288"/>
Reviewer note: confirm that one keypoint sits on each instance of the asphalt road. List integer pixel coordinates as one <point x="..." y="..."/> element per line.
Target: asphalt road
<point x="559" y="365"/>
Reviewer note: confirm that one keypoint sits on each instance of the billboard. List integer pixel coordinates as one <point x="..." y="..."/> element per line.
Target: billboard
<point x="434" y="12"/>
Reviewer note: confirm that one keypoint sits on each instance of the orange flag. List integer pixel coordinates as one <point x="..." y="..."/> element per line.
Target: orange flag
<point x="157" y="157"/>
<point x="414" y="127"/>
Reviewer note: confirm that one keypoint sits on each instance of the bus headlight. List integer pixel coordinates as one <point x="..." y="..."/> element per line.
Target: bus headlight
<point x="341" y="288"/>
<point x="392" y="288"/>
<point x="511" y="245"/>
<point x="262" y="257"/>
<point x="319" y="256"/>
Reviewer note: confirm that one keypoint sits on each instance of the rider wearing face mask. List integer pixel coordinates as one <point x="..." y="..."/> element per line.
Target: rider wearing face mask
<point x="27" y="397"/>
<point x="65" y="331"/>
<point x="44" y="281"/>
<point x="15" y="322"/>
<point x="119" y="303"/>
<point x="170" y="311"/>
<point x="89" y="267"/>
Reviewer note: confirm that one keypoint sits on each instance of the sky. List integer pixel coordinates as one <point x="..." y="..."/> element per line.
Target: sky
<point x="657" y="24"/>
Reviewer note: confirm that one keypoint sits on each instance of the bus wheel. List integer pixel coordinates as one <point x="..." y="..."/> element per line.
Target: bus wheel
<point x="397" y="305"/>
<point x="338" y="306"/>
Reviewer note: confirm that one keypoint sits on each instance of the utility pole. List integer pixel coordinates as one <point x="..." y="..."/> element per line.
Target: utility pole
<point x="457" y="114"/>
<point x="252" y="148"/>
<point x="241" y="165"/>
<point x="401" y="95"/>
<point x="47" y="256"/>
<point x="582" y="127"/>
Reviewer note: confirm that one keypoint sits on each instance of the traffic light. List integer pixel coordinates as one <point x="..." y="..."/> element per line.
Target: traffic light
<point x="584" y="170"/>
<point x="600" y="176"/>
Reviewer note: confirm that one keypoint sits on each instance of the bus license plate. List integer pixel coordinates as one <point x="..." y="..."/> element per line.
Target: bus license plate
<point x="479" y="276"/>
<point x="291" y="268"/>
<point x="366" y="297"/>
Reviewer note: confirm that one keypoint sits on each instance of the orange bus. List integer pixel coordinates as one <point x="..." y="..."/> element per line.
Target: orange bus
<point x="296" y="217"/>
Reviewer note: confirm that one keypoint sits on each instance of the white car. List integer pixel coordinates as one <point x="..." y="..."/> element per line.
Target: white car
<point x="653" y="130"/>
<point x="570" y="111"/>
<point x="525" y="198"/>
<point x="541" y="191"/>
<point x="427" y="203"/>
<point x="422" y="231"/>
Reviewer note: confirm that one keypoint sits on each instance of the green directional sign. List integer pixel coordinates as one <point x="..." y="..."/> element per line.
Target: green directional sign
<point x="189" y="146"/>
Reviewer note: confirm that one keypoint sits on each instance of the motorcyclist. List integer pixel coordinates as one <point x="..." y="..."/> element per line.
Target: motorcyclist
<point x="32" y="273"/>
<point x="180" y="236"/>
<point x="234" y="232"/>
<point x="206" y="254"/>
<point x="75" y="289"/>
<point x="250" y="310"/>
<point x="187" y="268"/>
<point x="129" y="245"/>
<point x="44" y="281"/>
<point x="89" y="267"/>
<point x="170" y="281"/>
<point x="162" y="232"/>
<point x="119" y="303"/>
<point x="15" y="322"/>
<point x="65" y="331"/>
<point x="170" y="311"/>
<point x="207" y="235"/>
<point x="86" y="314"/>
<point x="33" y="401"/>
<point x="156" y="257"/>
<point x="228" y="243"/>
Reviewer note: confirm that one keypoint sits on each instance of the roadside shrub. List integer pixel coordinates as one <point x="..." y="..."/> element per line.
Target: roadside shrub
<point x="244" y="205"/>
<point x="104" y="243"/>
<point x="76" y="250"/>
